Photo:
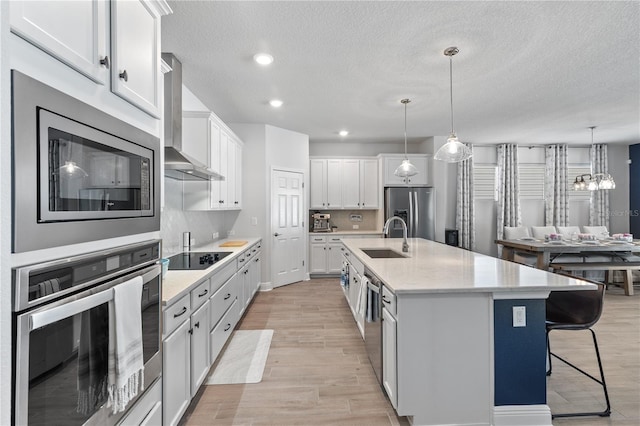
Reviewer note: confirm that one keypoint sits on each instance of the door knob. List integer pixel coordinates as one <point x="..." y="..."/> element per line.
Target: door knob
<point x="276" y="234"/>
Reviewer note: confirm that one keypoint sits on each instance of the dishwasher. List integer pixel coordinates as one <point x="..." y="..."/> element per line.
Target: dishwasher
<point x="373" y="323"/>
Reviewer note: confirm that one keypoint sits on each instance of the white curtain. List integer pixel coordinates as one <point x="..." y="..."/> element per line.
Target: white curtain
<point x="465" y="215"/>
<point x="599" y="211"/>
<point x="556" y="199"/>
<point x="508" y="189"/>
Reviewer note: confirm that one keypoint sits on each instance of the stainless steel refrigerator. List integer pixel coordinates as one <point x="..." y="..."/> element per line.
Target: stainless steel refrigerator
<point x="416" y="205"/>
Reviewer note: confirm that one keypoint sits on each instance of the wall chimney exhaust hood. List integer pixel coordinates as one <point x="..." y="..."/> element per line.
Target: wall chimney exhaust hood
<point x="177" y="164"/>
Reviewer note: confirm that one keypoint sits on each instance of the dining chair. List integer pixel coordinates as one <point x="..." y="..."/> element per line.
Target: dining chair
<point x="568" y="231"/>
<point x="576" y="310"/>
<point x="516" y="233"/>
<point x="539" y="232"/>
<point x="598" y="231"/>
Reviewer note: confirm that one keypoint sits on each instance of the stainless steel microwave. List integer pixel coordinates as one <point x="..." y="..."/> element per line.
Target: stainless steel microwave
<point x="79" y="174"/>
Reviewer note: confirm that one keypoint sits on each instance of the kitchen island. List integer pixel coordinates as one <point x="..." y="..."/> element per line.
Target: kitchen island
<point x="455" y="351"/>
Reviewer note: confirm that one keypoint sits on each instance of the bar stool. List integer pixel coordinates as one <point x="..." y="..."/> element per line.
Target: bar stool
<point x="577" y="310"/>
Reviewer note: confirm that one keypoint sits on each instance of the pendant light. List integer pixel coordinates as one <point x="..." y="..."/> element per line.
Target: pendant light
<point x="405" y="169"/>
<point x="596" y="180"/>
<point x="453" y="151"/>
<point x="70" y="169"/>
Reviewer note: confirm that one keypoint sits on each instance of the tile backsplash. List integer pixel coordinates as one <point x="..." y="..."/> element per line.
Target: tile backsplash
<point x="345" y="219"/>
<point x="202" y="224"/>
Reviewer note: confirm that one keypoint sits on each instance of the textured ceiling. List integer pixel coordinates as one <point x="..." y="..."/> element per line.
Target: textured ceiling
<point x="527" y="72"/>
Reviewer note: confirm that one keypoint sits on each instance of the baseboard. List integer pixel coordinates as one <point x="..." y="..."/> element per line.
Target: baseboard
<point x="522" y="415"/>
<point x="267" y="286"/>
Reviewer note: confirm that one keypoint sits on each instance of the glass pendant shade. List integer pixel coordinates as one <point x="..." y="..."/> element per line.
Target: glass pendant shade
<point x="405" y="169"/>
<point x="71" y="170"/>
<point x="594" y="182"/>
<point x="453" y="151"/>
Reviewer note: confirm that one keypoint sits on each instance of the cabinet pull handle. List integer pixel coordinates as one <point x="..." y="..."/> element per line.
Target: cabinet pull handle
<point x="227" y="327"/>
<point x="124" y="76"/>
<point x="276" y="234"/>
<point x="245" y="272"/>
<point x="191" y="331"/>
<point x="105" y="62"/>
<point x="227" y="296"/>
<point x="203" y="293"/>
<point x="257" y="259"/>
<point x="385" y="300"/>
<point x="182" y="312"/>
<point x="197" y="325"/>
<point x="241" y="260"/>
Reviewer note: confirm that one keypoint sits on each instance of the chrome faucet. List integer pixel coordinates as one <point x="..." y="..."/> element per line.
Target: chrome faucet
<point x="385" y="230"/>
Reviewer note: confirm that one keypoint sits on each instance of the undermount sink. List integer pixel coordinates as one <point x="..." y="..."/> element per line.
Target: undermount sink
<point x="382" y="253"/>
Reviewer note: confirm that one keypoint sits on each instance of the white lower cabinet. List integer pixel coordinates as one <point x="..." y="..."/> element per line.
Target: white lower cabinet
<point x="199" y="347"/>
<point x="198" y="325"/>
<point x="222" y="331"/>
<point x="176" y="374"/>
<point x="325" y="254"/>
<point x="389" y="359"/>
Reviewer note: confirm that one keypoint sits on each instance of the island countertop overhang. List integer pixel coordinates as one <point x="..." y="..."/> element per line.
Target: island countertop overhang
<point x="431" y="267"/>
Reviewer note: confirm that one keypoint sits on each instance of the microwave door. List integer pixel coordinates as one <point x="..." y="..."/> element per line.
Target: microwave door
<point x="92" y="200"/>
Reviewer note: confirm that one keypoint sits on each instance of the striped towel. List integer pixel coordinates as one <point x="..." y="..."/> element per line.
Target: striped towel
<point x="126" y="365"/>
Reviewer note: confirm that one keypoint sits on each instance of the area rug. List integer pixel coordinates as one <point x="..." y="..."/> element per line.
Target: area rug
<point x="244" y="358"/>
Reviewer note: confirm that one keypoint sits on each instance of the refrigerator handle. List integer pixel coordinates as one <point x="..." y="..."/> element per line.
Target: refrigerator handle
<point x="416" y="219"/>
<point x="410" y="224"/>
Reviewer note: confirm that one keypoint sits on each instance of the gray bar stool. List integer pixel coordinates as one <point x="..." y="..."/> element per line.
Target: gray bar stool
<point x="577" y="310"/>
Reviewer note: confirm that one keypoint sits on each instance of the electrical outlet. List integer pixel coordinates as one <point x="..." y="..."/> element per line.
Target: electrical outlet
<point x="519" y="316"/>
<point x="192" y="242"/>
<point x="215" y="235"/>
<point x="231" y="232"/>
<point x="254" y="221"/>
<point x="356" y="226"/>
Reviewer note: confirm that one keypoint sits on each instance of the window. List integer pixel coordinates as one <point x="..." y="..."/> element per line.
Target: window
<point x="484" y="182"/>
<point x="531" y="181"/>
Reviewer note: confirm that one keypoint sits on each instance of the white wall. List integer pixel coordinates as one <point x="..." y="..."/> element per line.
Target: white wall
<point x="347" y="148"/>
<point x="267" y="147"/>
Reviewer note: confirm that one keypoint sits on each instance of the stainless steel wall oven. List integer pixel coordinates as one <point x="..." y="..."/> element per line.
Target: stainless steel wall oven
<point x="61" y="332"/>
<point x="79" y="174"/>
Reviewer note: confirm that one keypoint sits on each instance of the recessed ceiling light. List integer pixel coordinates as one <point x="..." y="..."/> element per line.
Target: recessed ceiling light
<point x="263" y="58"/>
<point x="343" y="132"/>
<point x="276" y="103"/>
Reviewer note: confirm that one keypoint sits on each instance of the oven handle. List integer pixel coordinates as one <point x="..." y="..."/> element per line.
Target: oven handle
<point x="52" y="315"/>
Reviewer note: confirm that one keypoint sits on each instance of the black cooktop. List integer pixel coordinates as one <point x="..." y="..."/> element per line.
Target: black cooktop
<point x="195" y="260"/>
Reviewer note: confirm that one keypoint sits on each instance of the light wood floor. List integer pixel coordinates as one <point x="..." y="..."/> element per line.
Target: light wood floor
<point x="317" y="371"/>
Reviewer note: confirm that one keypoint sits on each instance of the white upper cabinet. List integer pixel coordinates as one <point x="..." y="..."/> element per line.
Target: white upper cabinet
<point x="348" y="183"/>
<point x="391" y="163"/>
<point x="318" y="184"/>
<point x="206" y="137"/>
<point x="115" y="41"/>
<point x="77" y="36"/>
<point x="135" y="47"/>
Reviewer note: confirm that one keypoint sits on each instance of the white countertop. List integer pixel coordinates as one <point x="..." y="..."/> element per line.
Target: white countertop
<point x="432" y="267"/>
<point x="177" y="283"/>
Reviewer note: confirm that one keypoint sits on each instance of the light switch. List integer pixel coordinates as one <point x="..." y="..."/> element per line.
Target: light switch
<point x="254" y="221"/>
<point x="519" y="316"/>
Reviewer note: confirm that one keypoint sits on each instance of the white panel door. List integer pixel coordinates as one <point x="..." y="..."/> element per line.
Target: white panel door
<point x="231" y="174"/>
<point x="389" y="358"/>
<point x="287" y="230"/>
<point x="224" y="169"/>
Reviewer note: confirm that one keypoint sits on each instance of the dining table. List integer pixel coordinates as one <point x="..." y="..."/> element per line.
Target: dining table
<point x="545" y="251"/>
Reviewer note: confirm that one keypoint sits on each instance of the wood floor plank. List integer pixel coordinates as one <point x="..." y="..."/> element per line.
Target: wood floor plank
<point x="318" y="373"/>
